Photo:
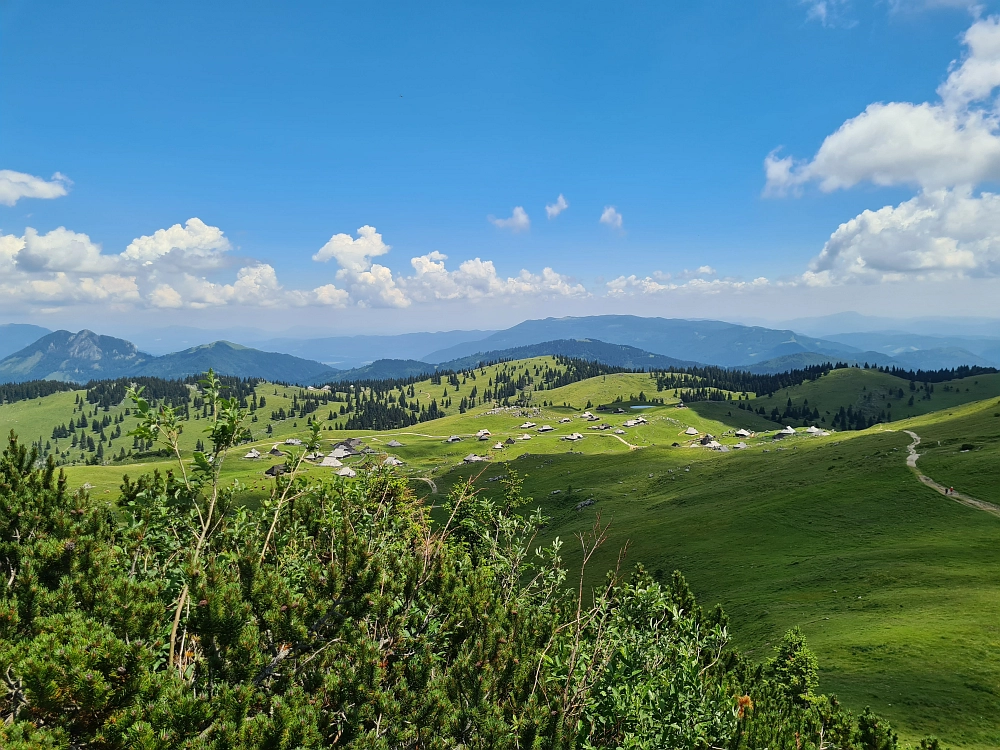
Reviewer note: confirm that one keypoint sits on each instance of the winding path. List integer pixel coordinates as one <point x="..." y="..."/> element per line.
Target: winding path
<point x="430" y="482"/>
<point x="630" y="446"/>
<point x="958" y="497"/>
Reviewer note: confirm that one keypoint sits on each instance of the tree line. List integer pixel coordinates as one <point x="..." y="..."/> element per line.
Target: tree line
<point x="13" y="392"/>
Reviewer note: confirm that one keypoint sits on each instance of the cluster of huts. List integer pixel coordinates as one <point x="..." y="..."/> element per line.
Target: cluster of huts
<point x="573" y="437"/>
<point x="710" y="442"/>
<point x="334" y="459"/>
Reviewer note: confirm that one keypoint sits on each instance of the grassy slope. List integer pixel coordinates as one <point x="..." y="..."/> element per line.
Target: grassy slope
<point x="35" y="418"/>
<point x="897" y="589"/>
<point x="781" y="534"/>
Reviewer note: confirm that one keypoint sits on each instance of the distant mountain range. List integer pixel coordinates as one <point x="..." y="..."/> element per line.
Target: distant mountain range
<point x="79" y="357"/>
<point x="709" y="341"/>
<point x="348" y="352"/>
<point x="622" y="340"/>
<point x="830" y="326"/>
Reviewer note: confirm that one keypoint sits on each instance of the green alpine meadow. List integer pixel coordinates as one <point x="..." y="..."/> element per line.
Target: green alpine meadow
<point x="611" y="559"/>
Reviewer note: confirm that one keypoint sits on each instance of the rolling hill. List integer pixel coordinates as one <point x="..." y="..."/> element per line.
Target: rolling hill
<point x="895" y="344"/>
<point x="617" y="355"/>
<point x="801" y="360"/>
<point x="385" y="369"/>
<point x="706" y="341"/>
<point x="623" y="340"/>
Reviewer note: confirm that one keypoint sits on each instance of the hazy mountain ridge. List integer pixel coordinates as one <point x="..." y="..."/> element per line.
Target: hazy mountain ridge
<point x="621" y="340"/>
<point x="85" y="355"/>
<point x="709" y="341"/>
<point x="617" y="355"/>
<point x="16" y="336"/>
<point x="228" y="358"/>
<point x="355" y="352"/>
<point x="609" y="354"/>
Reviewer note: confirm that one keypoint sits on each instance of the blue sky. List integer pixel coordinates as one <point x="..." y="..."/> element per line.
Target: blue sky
<point x="278" y="127"/>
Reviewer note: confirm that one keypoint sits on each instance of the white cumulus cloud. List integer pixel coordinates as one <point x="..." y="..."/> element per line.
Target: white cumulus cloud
<point x="61" y="250"/>
<point x="611" y="217"/>
<point x="330" y="295"/>
<point x="353" y="254"/>
<point x="935" y="235"/>
<point x="165" y="295"/>
<point x="375" y="287"/>
<point x="17" y="185"/>
<point x="518" y="221"/>
<point x="954" y="141"/>
<point x="195" y="241"/>
<point x="552" y="210"/>
<point x="62" y="267"/>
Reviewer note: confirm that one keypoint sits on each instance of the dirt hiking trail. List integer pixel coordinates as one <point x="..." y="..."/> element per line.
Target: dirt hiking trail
<point x="958" y="497"/>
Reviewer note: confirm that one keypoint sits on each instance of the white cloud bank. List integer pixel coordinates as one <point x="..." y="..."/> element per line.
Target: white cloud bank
<point x="178" y="268"/>
<point x="944" y="149"/>
<point x="698" y="282"/>
<point x="62" y="267"/>
<point x="17" y="185"/>
<point x="369" y="284"/>
<point x="478" y="279"/>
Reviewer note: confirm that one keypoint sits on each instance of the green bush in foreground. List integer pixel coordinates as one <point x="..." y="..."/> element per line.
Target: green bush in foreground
<point x="339" y="615"/>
